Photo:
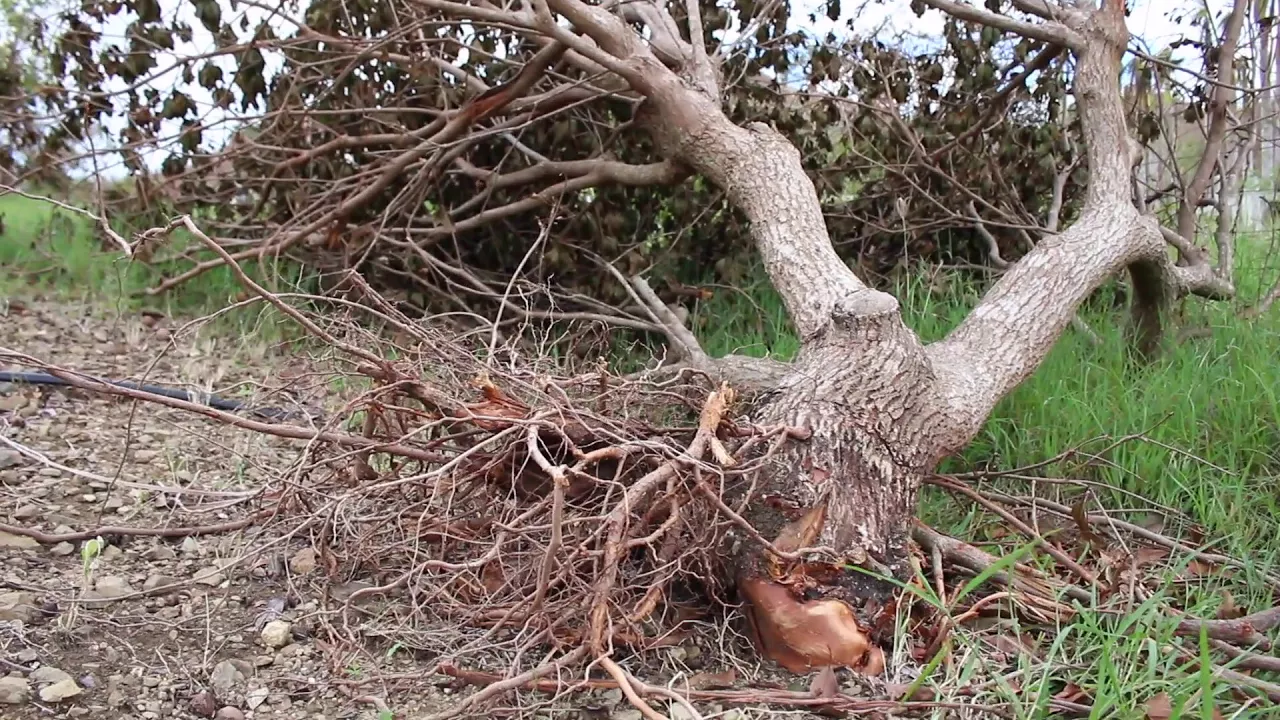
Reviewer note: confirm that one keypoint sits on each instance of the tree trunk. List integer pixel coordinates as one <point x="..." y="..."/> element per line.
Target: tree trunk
<point x="883" y="409"/>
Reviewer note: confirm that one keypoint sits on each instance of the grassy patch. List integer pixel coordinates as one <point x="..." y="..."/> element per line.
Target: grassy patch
<point x="48" y="249"/>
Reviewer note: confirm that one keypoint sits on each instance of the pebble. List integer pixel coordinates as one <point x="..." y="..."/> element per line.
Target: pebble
<point x="160" y="552"/>
<point x="156" y="580"/>
<point x="62" y="549"/>
<point x="27" y="512"/>
<point x="277" y="634"/>
<point x="229" y="713"/>
<point x="112" y="586"/>
<point x="225" y="675"/>
<point x="49" y="675"/>
<point x="211" y="576"/>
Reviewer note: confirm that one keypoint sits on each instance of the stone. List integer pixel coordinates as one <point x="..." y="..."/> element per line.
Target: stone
<point x="19" y="606"/>
<point x="27" y="512"/>
<point x="48" y="675"/>
<point x="229" y="713"/>
<point x="276" y="634"/>
<point x="11" y="459"/>
<point x="60" y="691"/>
<point x="211" y="576"/>
<point x="14" y="691"/>
<point x="256" y="697"/>
<point x="159" y="552"/>
<point x="112" y="586"/>
<point x="190" y="546"/>
<point x="203" y="704"/>
<point x="303" y="561"/>
<point x="62" y="549"/>
<point x="10" y="541"/>
<point x="156" y="580"/>
<point x="627" y="714"/>
<point x="225" y="675"/>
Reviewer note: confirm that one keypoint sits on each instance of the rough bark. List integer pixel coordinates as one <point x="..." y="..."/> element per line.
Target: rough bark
<point x="882" y="409"/>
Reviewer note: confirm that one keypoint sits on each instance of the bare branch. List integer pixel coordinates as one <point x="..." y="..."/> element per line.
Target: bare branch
<point x="1223" y="96"/>
<point x="1050" y="32"/>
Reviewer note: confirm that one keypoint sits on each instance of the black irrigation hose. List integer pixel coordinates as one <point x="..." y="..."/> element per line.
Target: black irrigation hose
<point x="213" y="401"/>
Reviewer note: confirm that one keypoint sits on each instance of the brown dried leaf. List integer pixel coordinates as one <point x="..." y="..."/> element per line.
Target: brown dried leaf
<point x="1159" y="707"/>
<point x="802" y="532"/>
<point x="1228" y="610"/>
<point x="825" y="684"/>
<point x="1082" y="523"/>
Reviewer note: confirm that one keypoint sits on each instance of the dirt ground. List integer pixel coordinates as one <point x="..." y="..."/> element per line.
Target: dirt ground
<point x="223" y="624"/>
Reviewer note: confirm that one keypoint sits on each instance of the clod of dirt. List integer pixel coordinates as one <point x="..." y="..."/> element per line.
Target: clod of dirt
<point x="303" y="561"/>
<point x="276" y="634"/>
<point x="60" y="691"/>
<point x="14" y="690"/>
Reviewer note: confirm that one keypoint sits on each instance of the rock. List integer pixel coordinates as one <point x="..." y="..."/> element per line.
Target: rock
<point x="154" y="581"/>
<point x="27" y="512"/>
<point x="11" y="459"/>
<point x="62" y="549"/>
<point x="303" y="561"/>
<point x="225" y="675"/>
<point x="203" y="704"/>
<point x="60" y="691"/>
<point x="17" y="542"/>
<point x="679" y="712"/>
<point x="19" y="606"/>
<point x="627" y="714"/>
<point x="190" y="546"/>
<point x="160" y="552"/>
<point x="48" y="675"/>
<point x="14" y="691"/>
<point x="229" y="713"/>
<point x="110" y="553"/>
<point x="146" y="456"/>
<point x="112" y="586"/>
<point x="256" y="697"/>
<point x="211" y="576"/>
<point x="277" y="634"/>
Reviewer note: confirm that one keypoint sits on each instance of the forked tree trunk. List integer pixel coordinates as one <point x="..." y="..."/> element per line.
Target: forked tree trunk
<point x="882" y="408"/>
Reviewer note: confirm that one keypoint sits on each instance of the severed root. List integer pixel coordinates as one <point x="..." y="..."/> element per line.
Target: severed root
<point x="804" y="635"/>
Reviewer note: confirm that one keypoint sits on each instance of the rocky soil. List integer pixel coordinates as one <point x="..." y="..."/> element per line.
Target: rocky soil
<point x="158" y="627"/>
<point x="221" y="625"/>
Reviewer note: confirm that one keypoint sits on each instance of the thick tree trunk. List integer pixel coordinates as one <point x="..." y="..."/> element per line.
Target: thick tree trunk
<point x="881" y="407"/>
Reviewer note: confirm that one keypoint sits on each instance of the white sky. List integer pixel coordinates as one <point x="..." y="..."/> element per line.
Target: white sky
<point x="1149" y="22"/>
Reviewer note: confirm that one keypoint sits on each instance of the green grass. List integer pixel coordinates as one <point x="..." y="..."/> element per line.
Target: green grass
<point x="51" y="250"/>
